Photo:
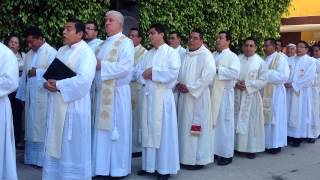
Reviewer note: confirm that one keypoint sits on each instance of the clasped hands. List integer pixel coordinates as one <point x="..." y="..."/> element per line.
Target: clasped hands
<point x="51" y="85"/>
<point x="32" y="72"/>
<point x="147" y="74"/>
<point x="182" y="88"/>
<point x="241" y="85"/>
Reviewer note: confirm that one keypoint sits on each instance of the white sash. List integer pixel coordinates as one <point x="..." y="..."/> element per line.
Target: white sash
<point x="151" y="136"/>
<point x="54" y="140"/>
<point x="246" y="99"/>
<point x="41" y="102"/>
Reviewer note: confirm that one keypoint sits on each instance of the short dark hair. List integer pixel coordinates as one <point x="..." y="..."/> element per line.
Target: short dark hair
<point x="250" y="39"/>
<point x="33" y="31"/>
<point x="305" y="43"/>
<point x="316" y="46"/>
<point x="94" y="23"/>
<point x="197" y="30"/>
<point x="176" y="33"/>
<point x="272" y="41"/>
<point x="228" y="35"/>
<point x="140" y="34"/>
<point x="158" y="27"/>
<point x="78" y="24"/>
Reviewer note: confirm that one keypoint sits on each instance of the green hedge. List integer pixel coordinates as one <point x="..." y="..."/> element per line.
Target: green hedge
<point x="243" y="18"/>
<point x="49" y="15"/>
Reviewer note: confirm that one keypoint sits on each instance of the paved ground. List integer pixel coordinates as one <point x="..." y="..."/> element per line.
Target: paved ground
<point x="301" y="163"/>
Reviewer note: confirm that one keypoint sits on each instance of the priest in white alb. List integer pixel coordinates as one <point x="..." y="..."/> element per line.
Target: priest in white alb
<point x="9" y="77"/>
<point x="222" y="97"/>
<point x="194" y="106"/>
<point x="35" y="96"/>
<point x="174" y="41"/>
<point x="300" y="123"/>
<point x="249" y="120"/>
<point x="316" y="88"/>
<point x="158" y="72"/>
<point x="112" y="132"/>
<point x="136" y="36"/>
<point x="68" y="136"/>
<point x="274" y="98"/>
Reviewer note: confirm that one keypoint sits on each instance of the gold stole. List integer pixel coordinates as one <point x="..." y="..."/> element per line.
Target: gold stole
<point x="218" y="88"/>
<point x="41" y="103"/>
<point x="151" y="136"/>
<point x="268" y="93"/>
<point x="140" y="50"/>
<point x="243" y="104"/>
<point x="54" y="140"/>
<point x="107" y="90"/>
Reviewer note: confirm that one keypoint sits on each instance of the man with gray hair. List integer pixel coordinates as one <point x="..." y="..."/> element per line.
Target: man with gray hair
<point x="291" y="50"/>
<point x="112" y="131"/>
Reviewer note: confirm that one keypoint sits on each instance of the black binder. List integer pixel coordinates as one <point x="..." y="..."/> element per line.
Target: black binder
<point x="58" y="71"/>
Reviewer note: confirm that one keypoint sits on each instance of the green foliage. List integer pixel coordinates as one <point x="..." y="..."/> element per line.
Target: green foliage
<point x="48" y="15"/>
<point x="243" y="18"/>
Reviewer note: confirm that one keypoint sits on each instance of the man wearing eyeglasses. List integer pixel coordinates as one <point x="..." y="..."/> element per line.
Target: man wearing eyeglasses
<point x="248" y="102"/>
<point x="194" y="109"/>
<point x="227" y="72"/>
<point x="136" y="36"/>
<point x="90" y="36"/>
<point x="300" y="123"/>
<point x="274" y="98"/>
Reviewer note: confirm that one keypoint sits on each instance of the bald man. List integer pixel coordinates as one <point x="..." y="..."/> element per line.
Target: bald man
<point x="112" y="131"/>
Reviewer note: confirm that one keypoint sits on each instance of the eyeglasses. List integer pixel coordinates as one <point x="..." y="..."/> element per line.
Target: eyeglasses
<point x="193" y="38"/>
<point x="249" y="45"/>
<point x="91" y="29"/>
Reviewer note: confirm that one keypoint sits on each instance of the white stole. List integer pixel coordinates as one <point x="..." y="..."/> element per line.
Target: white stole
<point x="219" y="87"/>
<point x="54" y="140"/>
<point x="151" y="136"/>
<point x="244" y="103"/>
<point x="41" y="103"/>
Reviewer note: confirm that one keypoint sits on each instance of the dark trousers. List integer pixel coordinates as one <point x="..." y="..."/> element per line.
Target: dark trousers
<point x="17" y="110"/>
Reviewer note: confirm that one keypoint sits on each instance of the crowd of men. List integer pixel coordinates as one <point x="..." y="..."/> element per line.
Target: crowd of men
<point x="178" y="107"/>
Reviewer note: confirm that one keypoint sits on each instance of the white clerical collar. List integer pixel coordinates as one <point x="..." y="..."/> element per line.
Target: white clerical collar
<point x="249" y="57"/>
<point x="73" y="46"/>
<point x="41" y="47"/>
<point x="201" y="49"/>
<point x="177" y="48"/>
<point x="161" y="47"/>
<point x="110" y="38"/>
<point x="92" y="41"/>
<point x="224" y="50"/>
<point x="273" y="54"/>
<point x="137" y="46"/>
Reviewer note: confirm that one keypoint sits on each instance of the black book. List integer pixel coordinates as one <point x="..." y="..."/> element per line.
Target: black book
<point x="58" y="71"/>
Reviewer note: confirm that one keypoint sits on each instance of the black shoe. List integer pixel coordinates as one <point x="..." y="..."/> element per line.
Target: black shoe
<point x="311" y="140"/>
<point x="163" y="176"/>
<point x="251" y="155"/>
<point x="116" y="178"/>
<point x="143" y="173"/>
<point x="273" y="150"/>
<point x="296" y="142"/>
<point x="192" y="167"/>
<point x="216" y="156"/>
<point x="224" y="161"/>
